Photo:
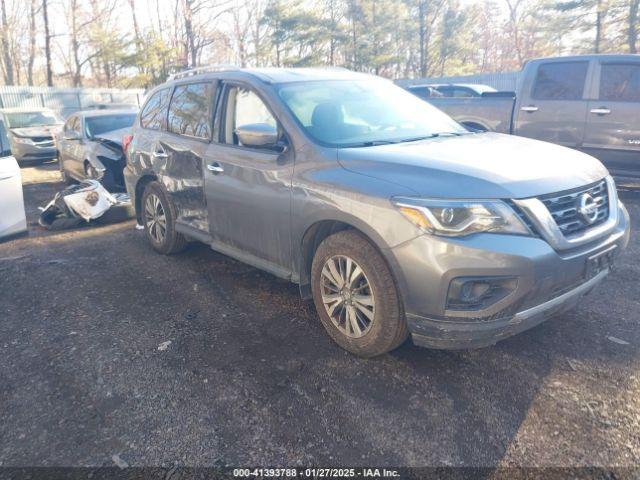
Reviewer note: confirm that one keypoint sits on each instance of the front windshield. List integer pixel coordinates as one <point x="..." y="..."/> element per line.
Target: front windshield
<point x="96" y="126"/>
<point x="32" y="119"/>
<point x="347" y="113"/>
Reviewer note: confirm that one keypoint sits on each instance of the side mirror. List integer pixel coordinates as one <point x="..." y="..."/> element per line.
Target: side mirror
<point x="257" y="135"/>
<point x="71" y="135"/>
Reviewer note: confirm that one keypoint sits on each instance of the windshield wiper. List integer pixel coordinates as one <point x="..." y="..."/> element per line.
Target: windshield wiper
<point x="370" y="143"/>
<point x="433" y="135"/>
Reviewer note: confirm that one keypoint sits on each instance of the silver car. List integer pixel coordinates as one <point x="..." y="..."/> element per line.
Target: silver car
<point x="394" y="218"/>
<point x="31" y="132"/>
<point x="90" y="146"/>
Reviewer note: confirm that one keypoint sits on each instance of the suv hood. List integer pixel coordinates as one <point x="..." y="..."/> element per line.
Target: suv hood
<point x="38" y="131"/>
<point x="486" y="165"/>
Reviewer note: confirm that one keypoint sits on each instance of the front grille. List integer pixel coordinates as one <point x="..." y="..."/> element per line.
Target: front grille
<point x="42" y="139"/>
<point x="563" y="207"/>
<point x="525" y="219"/>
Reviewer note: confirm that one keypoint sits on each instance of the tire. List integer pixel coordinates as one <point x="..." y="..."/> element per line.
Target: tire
<point x="169" y="241"/>
<point x="386" y="328"/>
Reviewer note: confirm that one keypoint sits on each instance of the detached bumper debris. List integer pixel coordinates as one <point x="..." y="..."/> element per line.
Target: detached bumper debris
<point x="82" y="203"/>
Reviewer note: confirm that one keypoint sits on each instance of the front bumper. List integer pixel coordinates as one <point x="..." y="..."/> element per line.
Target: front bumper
<point x="23" y="152"/>
<point x="548" y="283"/>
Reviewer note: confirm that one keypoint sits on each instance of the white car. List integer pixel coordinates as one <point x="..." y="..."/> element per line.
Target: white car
<point x="13" y="220"/>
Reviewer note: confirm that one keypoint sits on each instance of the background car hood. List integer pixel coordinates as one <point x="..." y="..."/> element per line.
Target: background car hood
<point x="39" y="131"/>
<point x="487" y="165"/>
<point x="114" y="136"/>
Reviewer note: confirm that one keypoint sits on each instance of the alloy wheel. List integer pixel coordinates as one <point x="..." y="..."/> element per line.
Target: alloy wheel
<point x="155" y="218"/>
<point x="347" y="296"/>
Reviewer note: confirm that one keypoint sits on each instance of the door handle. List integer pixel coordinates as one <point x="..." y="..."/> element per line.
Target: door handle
<point x="600" y="111"/>
<point x="529" y="109"/>
<point x="215" y="167"/>
<point x="158" y="152"/>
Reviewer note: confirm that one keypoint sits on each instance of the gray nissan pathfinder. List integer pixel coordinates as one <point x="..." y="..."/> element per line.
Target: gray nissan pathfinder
<point x="393" y="217"/>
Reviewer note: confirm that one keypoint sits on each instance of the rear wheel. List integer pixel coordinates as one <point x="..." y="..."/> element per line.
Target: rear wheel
<point x="355" y="295"/>
<point x="159" y="216"/>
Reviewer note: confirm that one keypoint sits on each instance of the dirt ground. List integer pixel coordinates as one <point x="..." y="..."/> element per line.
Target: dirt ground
<point x="110" y="351"/>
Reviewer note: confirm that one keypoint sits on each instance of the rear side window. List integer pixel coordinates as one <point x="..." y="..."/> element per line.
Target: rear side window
<point x="620" y="82"/>
<point x="560" y="81"/>
<point x="155" y="110"/>
<point x="190" y="112"/>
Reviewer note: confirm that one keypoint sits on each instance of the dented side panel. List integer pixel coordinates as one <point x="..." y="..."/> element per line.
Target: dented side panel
<point x="181" y="173"/>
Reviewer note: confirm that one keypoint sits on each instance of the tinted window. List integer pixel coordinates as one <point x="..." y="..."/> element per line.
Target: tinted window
<point x="422" y="92"/>
<point x="244" y="107"/>
<point x="560" y="81"/>
<point x="189" y="112"/>
<point x="620" y="82"/>
<point x="107" y="123"/>
<point x="154" y="111"/>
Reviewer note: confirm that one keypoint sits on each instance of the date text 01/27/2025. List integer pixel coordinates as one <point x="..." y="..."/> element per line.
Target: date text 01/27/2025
<point x="315" y="473"/>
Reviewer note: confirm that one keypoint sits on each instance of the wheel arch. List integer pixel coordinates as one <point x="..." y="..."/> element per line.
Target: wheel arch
<point x="141" y="184"/>
<point x="321" y="229"/>
<point x="474" y="125"/>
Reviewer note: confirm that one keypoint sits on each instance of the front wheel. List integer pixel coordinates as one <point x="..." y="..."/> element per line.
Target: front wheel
<point x="356" y="296"/>
<point x="159" y="217"/>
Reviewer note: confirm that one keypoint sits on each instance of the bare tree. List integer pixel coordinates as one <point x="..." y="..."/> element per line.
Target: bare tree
<point x="47" y="42"/>
<point x="6" y="47"/>
<point x="633" y="20"/>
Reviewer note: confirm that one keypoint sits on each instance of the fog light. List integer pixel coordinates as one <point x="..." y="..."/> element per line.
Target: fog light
<point x="477" y="293"/>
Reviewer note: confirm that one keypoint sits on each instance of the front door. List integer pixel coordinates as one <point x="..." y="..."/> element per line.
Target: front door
<point x="249" y="189"/>
<point x="70" y="147"/>
<point x="552" y="108"/>
<point x="613" y="121"/>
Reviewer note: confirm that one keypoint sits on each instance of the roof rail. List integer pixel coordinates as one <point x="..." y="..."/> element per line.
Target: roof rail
<point x="218" y="67"/>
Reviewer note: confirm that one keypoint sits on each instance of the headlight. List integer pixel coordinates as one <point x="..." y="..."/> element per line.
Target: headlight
<point x="456" y="218"/>
<point x="26" y="141"/>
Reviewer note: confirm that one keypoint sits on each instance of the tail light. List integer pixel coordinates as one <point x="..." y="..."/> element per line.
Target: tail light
<point x="126" y="141"/>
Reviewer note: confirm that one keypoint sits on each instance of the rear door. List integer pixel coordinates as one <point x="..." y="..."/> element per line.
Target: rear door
<point x="249" y="189"/>
<point x="552" y="105"/>
<point x="613" y="120"/>
<point x="182" y="148"/>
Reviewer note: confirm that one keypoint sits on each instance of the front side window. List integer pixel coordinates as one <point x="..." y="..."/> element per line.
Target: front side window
<point x="32" y="119"/>
<point x="560" y="81"/>
<point x="620" y="82"/>
<point x="344" y="113"/>
<point x="96" y="126"/>
<point x="189" y="112"/>
<point x="154" y="112"/>
<point x="244" y="108"/>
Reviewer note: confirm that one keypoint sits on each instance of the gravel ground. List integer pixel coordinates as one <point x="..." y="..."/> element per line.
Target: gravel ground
<point x="110" y="352"/>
